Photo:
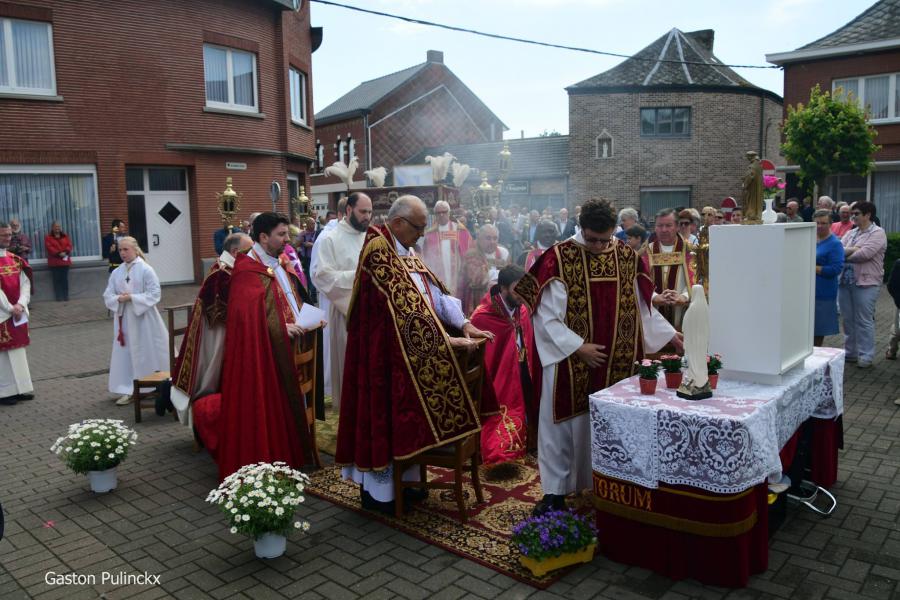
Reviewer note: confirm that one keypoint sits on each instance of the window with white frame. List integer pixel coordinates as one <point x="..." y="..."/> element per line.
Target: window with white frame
<point x="298" y="96"/>
<point x="230" y="78"/>
<point x="41" y="194"/>
<point x="26" y="58"/>
<point x="879" y="94"/>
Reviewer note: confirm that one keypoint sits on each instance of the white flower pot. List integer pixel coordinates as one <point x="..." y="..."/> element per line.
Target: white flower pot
<point x="102" y="481"/>
<point x="270" y="545"/>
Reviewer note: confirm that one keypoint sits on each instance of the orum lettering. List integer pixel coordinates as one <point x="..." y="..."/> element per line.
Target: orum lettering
<point x="623" y="493"/>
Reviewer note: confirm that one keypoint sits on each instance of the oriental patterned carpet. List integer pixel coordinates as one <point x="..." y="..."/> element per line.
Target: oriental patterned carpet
<point x="510" y="492"/>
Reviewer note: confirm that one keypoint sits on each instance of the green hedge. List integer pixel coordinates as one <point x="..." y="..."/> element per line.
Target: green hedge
<point x="892" y="254"/>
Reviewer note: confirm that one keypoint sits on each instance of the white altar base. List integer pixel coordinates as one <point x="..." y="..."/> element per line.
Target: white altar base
<point x="761" y="298"/>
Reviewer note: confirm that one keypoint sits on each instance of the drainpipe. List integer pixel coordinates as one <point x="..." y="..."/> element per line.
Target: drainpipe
<point x="762" y="121"/>
<point x="368" y="142"/>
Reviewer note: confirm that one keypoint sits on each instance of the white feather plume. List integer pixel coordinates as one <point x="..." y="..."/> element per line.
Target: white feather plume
<point x="460" y="173"/>
<point x="377" y="176"/>
<point x="343" y="172"/>
<point x="440" y="165"/>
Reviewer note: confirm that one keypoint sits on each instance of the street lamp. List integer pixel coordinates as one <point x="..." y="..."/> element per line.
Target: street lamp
<point x="229" y="203"/>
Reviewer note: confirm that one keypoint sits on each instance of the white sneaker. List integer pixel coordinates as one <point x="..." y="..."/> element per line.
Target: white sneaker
<point x="124" y="400"/>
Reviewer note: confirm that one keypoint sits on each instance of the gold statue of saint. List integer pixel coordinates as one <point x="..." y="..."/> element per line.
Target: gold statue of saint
<point x="752" y="195"/>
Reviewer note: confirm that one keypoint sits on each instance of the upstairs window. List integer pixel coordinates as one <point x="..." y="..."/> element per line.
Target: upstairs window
<point x="298" y="96"/>
<point x="878" y="94"/>
<point x="230" y="78"/>
<point x="26" y="58"/>
<point x="666" y="121"/>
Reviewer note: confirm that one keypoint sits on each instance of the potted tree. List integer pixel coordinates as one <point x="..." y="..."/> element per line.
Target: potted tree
<point x="260" y="500"/>
<point x="96" y="447"/>
<point x="713" y="364"/>
<point x="556" y="539"/>
<point x="671" y="364"/>
<point x="648" y="370"/>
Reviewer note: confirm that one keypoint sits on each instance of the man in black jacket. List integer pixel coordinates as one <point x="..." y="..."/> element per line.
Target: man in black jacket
<point x="110" y="244"/>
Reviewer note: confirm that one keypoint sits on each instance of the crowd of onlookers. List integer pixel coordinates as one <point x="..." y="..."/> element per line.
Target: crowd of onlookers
<point x="58" y="248"/>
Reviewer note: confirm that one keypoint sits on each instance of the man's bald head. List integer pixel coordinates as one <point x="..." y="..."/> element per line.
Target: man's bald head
<point x="407" y="219"/>
<point x="237" y="243"/>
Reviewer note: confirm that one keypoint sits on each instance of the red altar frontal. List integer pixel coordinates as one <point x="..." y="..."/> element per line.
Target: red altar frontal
<point x="681" y="489"/>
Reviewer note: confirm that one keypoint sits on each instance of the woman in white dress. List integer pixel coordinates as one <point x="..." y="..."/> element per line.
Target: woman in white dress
<point x="140" y="341"/>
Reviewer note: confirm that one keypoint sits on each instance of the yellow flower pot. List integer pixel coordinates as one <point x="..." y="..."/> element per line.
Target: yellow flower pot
<point x="539" y="568"/>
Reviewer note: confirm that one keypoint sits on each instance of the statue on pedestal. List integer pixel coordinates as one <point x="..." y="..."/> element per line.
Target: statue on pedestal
<point x="695" y="326"/>
<point x="752" y="194"/>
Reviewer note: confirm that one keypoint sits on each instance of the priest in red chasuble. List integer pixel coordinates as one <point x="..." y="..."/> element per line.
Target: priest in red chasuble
<point x="668" y="261"/>
<point x="15" y="297"/>
<point x="198" y="367"/>
<point x="403" y="391"/>
<point x="446" y="242"/>
<point x="508" y="362"/>
<point x="480" y="267"/>
<point x="593" y="317"/>
<point x="263" y="416"/>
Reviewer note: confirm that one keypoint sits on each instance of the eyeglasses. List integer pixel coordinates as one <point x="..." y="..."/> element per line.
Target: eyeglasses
<point x="684" y="223"/>
<point x="419" y="228"/>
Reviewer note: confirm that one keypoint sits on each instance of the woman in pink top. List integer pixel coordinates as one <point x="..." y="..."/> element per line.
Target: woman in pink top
<point x="860" y="283"/>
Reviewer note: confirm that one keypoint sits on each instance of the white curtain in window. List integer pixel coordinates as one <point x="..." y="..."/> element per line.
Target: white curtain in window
<point x="877" y="96"/>
<point x="297" y="96"/>
<point x="845" y="87"/>
<point x="39" y="199"/>
<point x="4" y="78"/>
<point x="31" y="47"/>
<point x="887" y="199"/>
<point x="242" y="68"/>
<point x="215" y="67"/>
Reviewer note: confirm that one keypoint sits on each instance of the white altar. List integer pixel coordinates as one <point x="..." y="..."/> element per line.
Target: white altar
<point x="761" y="298"/>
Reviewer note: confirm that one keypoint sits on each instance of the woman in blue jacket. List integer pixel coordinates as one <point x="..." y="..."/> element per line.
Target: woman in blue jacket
<point x="829" y="262"/>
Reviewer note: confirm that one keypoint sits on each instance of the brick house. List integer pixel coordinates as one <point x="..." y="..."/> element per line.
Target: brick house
<point x="140" y="110"/>
<point x="385" y="121"/>
<point x="862" y="57"/>
<point x="653" y="134"/>
<point x="539" y="176"/>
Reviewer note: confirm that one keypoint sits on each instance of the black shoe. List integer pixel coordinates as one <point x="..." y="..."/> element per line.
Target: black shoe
<point x="559" y="502"/>
<point x="26" y="396"/>
<point x="9" y="400"/>
<point x="544" y="506"/>
<point x="414" y="495"/>
<point x="370" y="503"/>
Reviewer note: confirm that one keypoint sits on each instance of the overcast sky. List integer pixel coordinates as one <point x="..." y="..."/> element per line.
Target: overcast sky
<point x="523" y="84"/>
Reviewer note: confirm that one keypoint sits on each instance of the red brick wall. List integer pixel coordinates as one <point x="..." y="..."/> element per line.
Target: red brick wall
<point x="131" y="77"/>
<point x="800" y="78"/>
<point x="327" y="135"/>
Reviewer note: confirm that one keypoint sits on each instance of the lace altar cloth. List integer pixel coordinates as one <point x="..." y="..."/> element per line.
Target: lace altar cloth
<point x="724" y="444"/>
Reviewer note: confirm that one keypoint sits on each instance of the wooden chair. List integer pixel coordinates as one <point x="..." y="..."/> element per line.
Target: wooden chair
<point x="159" y="379"/>
<point x="305" y="362"/>
<point x="463" y="453"/>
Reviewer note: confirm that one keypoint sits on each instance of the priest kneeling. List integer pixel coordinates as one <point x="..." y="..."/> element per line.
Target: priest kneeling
<point x="403" y="391"/>
<point x="593" y="318"/>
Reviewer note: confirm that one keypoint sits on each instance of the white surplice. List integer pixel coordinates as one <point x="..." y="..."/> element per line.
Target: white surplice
<point x="333" y="276"/>
<point x="209" y="360"/>
<point x="324" y="304"/>
<point x="380" y="484"/>
<point x="15" y="377"/>
<point x="146" y="348"/>
<point x="564" y="449"/>
<point x="681" y="285"/>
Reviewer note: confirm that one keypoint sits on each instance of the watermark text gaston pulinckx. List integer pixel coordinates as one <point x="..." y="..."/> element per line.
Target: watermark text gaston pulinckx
<point x="104" y="577"/>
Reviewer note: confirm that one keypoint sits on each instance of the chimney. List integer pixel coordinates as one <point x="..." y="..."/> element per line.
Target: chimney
<point x="704" y="37"/>
<point x="434" y="56"/>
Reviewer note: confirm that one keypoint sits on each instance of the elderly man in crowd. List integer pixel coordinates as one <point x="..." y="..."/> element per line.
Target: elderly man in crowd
<point x="445" y="245"/>
<point x="843" y="223"/>
<point x="791" y="211"/>
<point x="21" y="243"/>
<point x="481" y="265"/>
<point x="628" y="217"/>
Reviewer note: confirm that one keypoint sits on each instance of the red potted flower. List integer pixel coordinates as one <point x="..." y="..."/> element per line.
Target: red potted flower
<point x="671" y="364"/>
<point x="713" y="364"/>
<point x="648" y="370"/>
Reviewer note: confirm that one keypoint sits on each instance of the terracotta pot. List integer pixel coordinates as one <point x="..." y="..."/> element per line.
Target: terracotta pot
<point x="673" y="380"/>
<point x="713" y="380"/>
<point x="648" y="386"/>
<point x="539" y="568"/>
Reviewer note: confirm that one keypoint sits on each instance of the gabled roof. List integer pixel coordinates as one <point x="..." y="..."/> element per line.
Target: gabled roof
<point x="695" y="67"/>
<point x="876" y="29"/>
<point x="881" y="21"/>
<point x="367" y="94"/>
<point x="532" y="158"/>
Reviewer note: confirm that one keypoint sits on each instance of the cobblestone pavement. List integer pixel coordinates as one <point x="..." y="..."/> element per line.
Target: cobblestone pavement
<point x="157" y="520"/>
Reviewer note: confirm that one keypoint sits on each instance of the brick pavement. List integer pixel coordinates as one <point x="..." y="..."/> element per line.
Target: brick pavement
<point x="157" y="519"/>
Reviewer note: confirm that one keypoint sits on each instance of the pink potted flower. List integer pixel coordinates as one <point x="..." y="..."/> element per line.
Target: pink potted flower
<point x="648" y="370"/>
<point x="713" y="364"/>
<point x="671" y="364"/>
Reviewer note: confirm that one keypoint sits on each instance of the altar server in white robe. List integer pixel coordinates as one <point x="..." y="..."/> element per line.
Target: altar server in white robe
<point x="324" y="304"/>
<point x="334" y="274"/>
<point x="564" y="442"/>
<point x="140" y="340"/>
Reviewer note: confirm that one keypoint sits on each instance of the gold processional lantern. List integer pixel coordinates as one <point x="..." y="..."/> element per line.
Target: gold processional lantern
<point x="229" y="203"/>
<point x="301" y="204"/>
<point x="485" y="196"/>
